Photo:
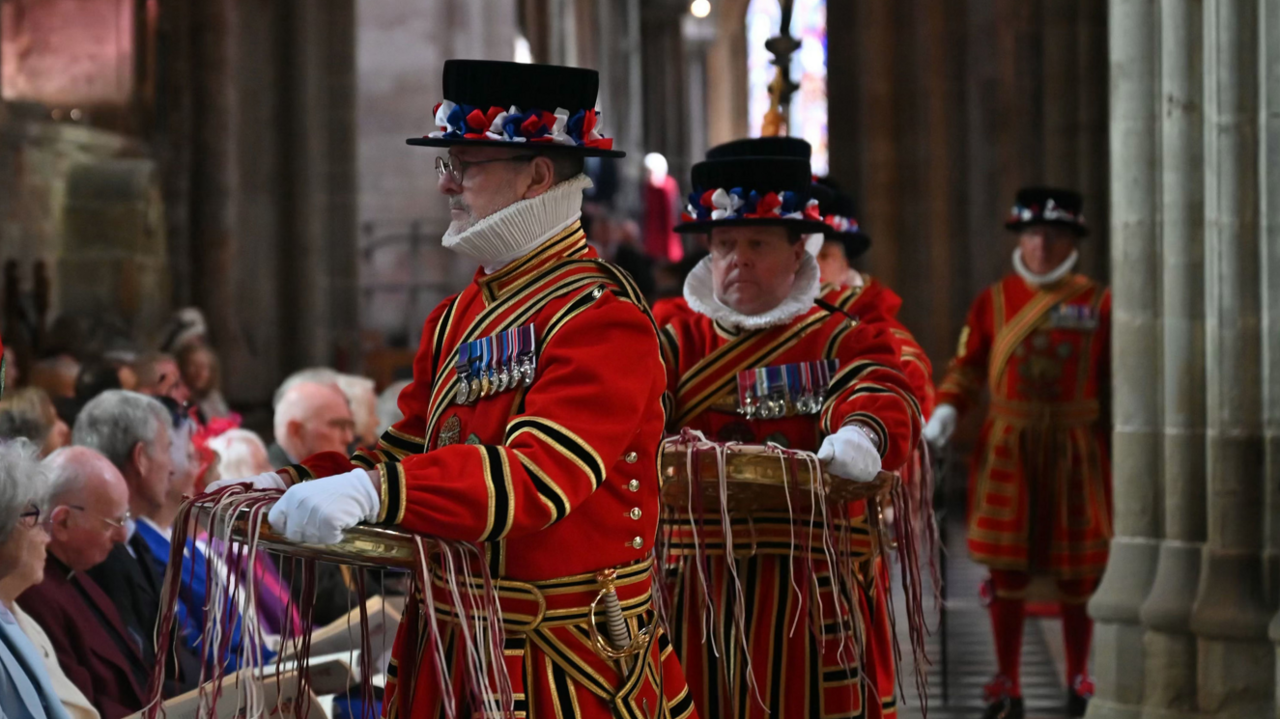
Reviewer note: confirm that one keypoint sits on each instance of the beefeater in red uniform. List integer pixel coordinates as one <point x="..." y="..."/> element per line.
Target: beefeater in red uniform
<point x="532" y="425"/>
<point x="752" y="305"/>
<point x="1040" y="481"/>
<point x="862" y="295"/>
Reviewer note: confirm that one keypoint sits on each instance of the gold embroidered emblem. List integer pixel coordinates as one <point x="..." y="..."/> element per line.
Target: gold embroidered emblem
<point x="450" y="432"/>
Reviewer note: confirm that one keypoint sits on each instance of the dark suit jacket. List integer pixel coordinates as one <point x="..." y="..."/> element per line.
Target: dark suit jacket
<point x="89" y="639"/>
<point x="134" y="588"/>
<point x="277" y="456"/>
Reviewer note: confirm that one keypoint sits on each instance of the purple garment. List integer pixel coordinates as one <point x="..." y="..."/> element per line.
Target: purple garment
<point x="275" y="608"/>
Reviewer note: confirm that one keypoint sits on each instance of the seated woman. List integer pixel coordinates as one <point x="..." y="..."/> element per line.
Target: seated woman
<point x="30" y="413"/>
<point x="32" y="685"/>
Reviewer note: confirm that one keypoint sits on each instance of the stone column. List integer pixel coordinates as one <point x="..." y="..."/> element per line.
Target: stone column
<point x="1118" y="655"/>
<point x="1170" y="646"/>
<point x="1230" y="615"/>
<point x="1269" y="22"/>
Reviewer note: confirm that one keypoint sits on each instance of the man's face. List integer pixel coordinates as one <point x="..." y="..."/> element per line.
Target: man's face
<point x="753" y="267"/>
<point x="1045" y="247"/>
<point x="832" y="263"/>
<point x="329" y="428"/>
<point x="85" y="527"/>
<point x="500" y="181"/>
<point x="154" y="467"/>
<point x="182" y="479"/>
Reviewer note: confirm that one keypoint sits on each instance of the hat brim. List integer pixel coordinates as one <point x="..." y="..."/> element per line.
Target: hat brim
<point x="579" y="150"/>
<point x="1019" y="225"/>
<point x="855" y="244"/>
<point x="805" y="227"/>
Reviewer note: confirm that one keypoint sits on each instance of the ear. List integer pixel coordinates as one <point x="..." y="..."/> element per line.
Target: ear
<point x="542" y="177"/>
<point x="140" y="458"/>
<point x="58" y="525"/>
<point x="294" y="430"/>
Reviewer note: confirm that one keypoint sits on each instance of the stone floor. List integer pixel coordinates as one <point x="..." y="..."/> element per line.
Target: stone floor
<point x="971" y="655"/>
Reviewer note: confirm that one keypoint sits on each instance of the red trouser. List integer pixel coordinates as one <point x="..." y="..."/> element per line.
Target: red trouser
<point x="1008" y="612"/>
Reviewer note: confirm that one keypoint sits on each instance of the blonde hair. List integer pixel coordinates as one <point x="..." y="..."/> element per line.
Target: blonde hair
<point x="27" y="413"/>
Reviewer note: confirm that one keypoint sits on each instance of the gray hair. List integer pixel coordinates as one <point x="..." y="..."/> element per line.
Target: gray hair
<point x="310" y="375"/>
<point x="389" y="405"/>
<point x="23" y="481"/>
<point x="115" y="421"/>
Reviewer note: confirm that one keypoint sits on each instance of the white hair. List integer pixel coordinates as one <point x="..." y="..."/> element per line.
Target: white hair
<point x="115" y="421"/>
<point x="389" y="405"/>
<point x="236" y="450"/>
<point x="362" y="397"/>
<point x="297" y="404"/>
<point x="310" y="375"/>
<point x="23" y="481"/>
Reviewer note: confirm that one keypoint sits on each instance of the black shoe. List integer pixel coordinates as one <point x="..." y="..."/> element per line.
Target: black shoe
<point x="1006" y="708"/>
<point x="1078" y="696"/>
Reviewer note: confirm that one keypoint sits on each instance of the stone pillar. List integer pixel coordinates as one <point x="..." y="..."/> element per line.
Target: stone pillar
<point x="1170" y="646"/>
<point x="1118" y="655"/>
<point x="1269" y="22"/>
<point x="1230" y="615"/>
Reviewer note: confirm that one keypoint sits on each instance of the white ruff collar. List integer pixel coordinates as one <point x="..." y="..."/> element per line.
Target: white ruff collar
<point x="515" y="230"/>
<point x="1047" y="278"/>
<point x="699" y="292"/>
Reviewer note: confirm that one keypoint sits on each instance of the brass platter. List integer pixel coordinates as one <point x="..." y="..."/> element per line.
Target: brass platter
<point x="756" y="479"/>
<point x="361" y="546"/>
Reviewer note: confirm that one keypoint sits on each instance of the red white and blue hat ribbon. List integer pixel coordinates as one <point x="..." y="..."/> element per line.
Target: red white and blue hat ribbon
<point x="1050" y="213"/>
<point x="735" y="203"/>
<point x="580" y="129"/>
<point x="840" y="223"/>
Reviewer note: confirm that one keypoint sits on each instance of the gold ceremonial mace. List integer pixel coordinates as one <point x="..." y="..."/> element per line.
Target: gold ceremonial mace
<point x="780" y="90"/>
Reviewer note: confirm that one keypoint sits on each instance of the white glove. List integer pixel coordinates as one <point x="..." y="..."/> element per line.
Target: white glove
<point x="266" y="480"/>
<point x="941" y="426"/>
<point x="318" y="511"/>
<point x="849" y="453"/>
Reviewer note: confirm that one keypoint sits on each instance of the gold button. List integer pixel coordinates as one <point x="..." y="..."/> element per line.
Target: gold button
<point x="635" y="512"/>
<point x="637" y="543"/>
<point x="632" y="457"/>
<point x="634" y="485"/>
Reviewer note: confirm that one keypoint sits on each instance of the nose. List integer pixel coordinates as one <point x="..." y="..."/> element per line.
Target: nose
<point x="446" y="185"/>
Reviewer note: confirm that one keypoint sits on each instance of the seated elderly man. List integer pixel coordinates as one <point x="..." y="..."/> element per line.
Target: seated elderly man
<point x="135" y="433"/>
<point x="314" y="415"/>
<point x="310" y="416"/>
<point x="89" y="506"/>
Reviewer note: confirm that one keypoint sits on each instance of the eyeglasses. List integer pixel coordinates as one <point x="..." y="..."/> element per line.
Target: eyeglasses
<point x="456" y="169"/>
<point x="30" y="518"/>
<point x="115" y="523"/>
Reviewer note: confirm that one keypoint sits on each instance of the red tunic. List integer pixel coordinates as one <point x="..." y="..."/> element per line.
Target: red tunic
<point x="554" y="481"/>
<point x="668" y="308"/>
<point x="1040" y="481"/>
<point x="874" y="303"/>
<point x="799" y="667"/>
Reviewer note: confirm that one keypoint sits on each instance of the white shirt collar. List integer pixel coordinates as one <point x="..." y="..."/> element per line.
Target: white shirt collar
<point x="516" y="230"/>
<point x="1047" y="278"/>
<point x="699" y="292"/>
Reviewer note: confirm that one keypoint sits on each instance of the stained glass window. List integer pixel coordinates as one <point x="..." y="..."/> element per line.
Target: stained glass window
<point x="808" y="114"/>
